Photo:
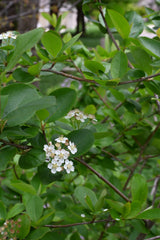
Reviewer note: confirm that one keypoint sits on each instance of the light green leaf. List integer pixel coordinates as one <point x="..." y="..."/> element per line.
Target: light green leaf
<point x="150" y="214"/>
<point x="23" y="43"/>
<point x="119" y="65"/>
<point x="34" y="208"/>
<point x="139" y="188"/>
<point x="94" y="66"/>
<point x="69" y="43"/>
<point x="120" y="23"/>
<point x="22" y="187"/>
<point x="52" y="42"/>
<point x="136" y="22"/>
<point x="81" y="193"/>
<point x="35" y="69"/>
<point x="15" y="210"/>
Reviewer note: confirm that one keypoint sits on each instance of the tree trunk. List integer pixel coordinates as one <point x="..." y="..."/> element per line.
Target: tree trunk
<point x="28" y="15"/>
<point x="80" y="20"/>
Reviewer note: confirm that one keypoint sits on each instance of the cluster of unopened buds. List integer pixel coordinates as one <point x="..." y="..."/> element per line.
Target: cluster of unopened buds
<point x="79" y="115"/>
<point x="7" y="35"/>
<point x="57" y="155"/>
<point x="10" y="229"/>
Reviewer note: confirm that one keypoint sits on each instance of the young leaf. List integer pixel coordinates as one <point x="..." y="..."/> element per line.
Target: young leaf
<point x="139" y="188"/>
<point x="120" y="23"/>
<point x="34" y="207"/>
<point x="119" y="65"/>
<point x="23" y="43"/>
<point x="52" y="42"/>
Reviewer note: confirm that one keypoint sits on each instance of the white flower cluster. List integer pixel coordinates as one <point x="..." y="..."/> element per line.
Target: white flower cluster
<point x="57" y="155"/>
<point x="7" y="35"/>
<point x="78" y="115"/>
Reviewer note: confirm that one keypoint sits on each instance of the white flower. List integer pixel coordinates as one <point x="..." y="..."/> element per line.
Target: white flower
<point x="61" y="154"/>
<point x="72" y="147"/>
<point x="58" y="162"/>
<point x="68" y="166"/>
<point x="91" y="116"/>
<point x="61" y="139"/>
<point x="70" y="114"/>
<point x="54" y="168"/>
<point x="7" y="35"/>
<point x="49" y="149"/>
<point x="81" y="117"/>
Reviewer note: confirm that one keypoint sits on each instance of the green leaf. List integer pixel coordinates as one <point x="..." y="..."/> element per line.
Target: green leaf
<point x="23" y="43"/>
<point x="117" y="206"/>
<point x="6" y="155"/>
<point x="25" y="226"/>
<point x="3" y="211"/>
<point x="135" y="209"/>
<point x="119" y="65"/>
<point x="51" y="19"/>
<point x="52" y="42"/>
<point x="152" y="46"/>
<point x="3" y="102"/>
<point x="150" y="214"/>
<point x="83" y="139"/>
<point x="46" y="176"/>
<point x="21" y="75"/>
<point x="90" y="109"/>
<point x="38" y="233"/>
<point x="117" y="94"/>
<point x="35" y="69"/>
<point x="22" y="187"/>
<point x="65" y="99"/>
<point x="94" y="66"/>
<point x="15" y="210"/>
<point x="34" y="207"/>
<point x="24" y="112"/>
<point x="31" y="159"/>
<point x="120" y="23"/>
<point x="81" y="193"/>
<point x="139" y="188"/>
<point x="69" y="43"/>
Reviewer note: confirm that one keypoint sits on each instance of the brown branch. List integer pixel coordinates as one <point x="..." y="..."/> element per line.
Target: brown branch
<point x="104" y="180"/>
<point x="140" y="155"/>
<point x="153" y="238"/>
<point x="147" y="78"/>
<point x="23" y="147"/>
<point x="69" y="76"/>
<point x="76" y="224"/>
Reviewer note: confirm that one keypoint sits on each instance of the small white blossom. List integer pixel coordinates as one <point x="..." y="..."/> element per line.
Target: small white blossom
<point x="7" y="35"/>
<point x="72" y="147"/>
<point x="61" y="139"/>
<point x="68" y="166"/>
<point x="61" y="154"/>
<point x="70" y="114"/>
<point x="49" y="149"/>
<point x="54" y="168"/>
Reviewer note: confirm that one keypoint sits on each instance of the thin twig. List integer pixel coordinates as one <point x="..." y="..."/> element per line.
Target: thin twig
<point x="153" y="238"/>
<point x="23" y="147"/>
<point x="104" y="180"/>
<point x="76" y="224"/>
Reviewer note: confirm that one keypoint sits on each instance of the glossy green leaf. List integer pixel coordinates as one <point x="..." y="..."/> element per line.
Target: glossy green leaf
<point x="33" y="158"/>
<point x="150" y="214"/>
<point x="82" y="192"/>
<point x="65" y="99"/>
<point x="82" y="145"/>
<point x="21" y="75"/>
<point x="120" y="23"/>
<point x="35" y="69"/>
<point x="52" y="42"/>
<point x="152" y="46"/>
<point x="46" y="176"/>
<point x="119" y="65"/>
<point x="24" y="42"/>
<point x="15" y="210"/>
<point x="139" y="188"/>
<point x="94" y="66"/>
<point x="34" y="207"/>
<point x="6" y="155"/>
